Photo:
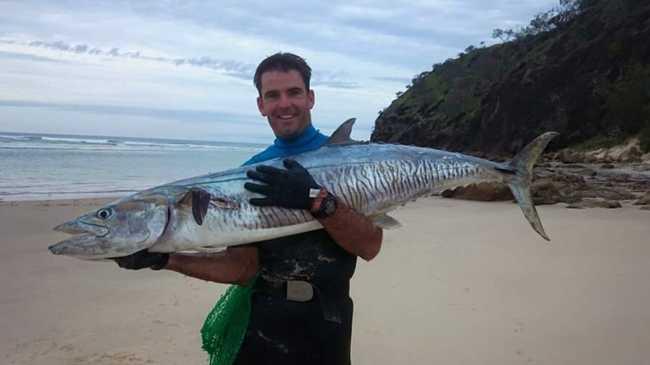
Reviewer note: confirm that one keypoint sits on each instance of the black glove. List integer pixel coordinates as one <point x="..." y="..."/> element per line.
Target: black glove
<point x="142" y="260"/>
<point x="284" y="188"/>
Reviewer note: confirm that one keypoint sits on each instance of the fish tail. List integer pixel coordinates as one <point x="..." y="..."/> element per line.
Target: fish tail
<point x="518" y="175"/>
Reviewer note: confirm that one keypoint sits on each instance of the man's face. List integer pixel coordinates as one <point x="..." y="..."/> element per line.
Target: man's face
<point x="285" y="102"/>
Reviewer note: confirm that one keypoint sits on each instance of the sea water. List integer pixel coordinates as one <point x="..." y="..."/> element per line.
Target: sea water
<point x="47" y="166"/>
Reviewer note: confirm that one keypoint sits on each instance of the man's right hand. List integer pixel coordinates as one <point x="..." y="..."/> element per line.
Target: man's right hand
<point x="288" y="188"/>
<point x="142" y="260"/>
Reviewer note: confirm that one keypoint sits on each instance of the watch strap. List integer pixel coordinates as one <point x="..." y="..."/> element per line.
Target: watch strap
<point x="324" y="205"/>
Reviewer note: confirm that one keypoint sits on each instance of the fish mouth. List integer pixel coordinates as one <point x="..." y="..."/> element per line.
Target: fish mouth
<point x="84" y="246"/>
<point x="86" y="243"/>
<point x="81" y="227"/>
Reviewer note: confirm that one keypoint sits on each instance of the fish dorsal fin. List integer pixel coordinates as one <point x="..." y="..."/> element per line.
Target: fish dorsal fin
<point x="342" y="134"/>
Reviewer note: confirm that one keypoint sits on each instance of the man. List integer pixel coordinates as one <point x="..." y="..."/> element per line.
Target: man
<point x="301" y="312"/>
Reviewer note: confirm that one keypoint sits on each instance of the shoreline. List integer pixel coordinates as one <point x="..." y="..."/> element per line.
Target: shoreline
<point x="71" y="196"/>
<point x="85" y="201"/>
<point x="571" y="181"/>
<point x="632" y="179"/>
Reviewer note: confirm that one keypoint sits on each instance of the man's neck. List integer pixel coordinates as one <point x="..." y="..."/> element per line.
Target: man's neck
<point x="299" y="139"/>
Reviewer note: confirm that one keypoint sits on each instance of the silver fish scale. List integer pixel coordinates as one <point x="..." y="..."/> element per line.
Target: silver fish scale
<point x="375" y="187"/>
<point x="368" y="180"/>
<point x="371" y="178"/>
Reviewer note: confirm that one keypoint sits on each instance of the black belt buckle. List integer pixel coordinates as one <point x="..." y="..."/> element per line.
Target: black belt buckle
<point x="299" y="291"/>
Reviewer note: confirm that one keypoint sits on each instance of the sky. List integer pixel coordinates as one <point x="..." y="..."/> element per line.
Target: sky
<point x="184" y="69"/>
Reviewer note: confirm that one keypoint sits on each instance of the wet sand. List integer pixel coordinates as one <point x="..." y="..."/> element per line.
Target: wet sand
<point x="460" y="283"/>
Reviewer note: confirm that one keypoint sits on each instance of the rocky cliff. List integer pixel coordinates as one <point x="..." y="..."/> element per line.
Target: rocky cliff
<point x="588" y="78"/>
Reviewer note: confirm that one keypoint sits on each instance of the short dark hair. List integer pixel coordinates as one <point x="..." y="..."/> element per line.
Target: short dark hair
<point x="282" y="62"/>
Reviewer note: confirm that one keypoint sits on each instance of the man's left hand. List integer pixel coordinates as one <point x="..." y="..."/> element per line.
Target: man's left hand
<point x="143" y="259"/>
<point x="283" y="188"/>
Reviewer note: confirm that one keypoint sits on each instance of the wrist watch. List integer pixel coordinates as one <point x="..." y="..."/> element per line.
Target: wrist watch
<point x="327" y="207"/>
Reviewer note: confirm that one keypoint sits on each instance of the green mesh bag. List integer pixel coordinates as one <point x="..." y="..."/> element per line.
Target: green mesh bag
<point x="225" y="327"/>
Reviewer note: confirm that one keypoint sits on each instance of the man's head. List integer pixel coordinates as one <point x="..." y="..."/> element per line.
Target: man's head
<point x="285" y="99"/>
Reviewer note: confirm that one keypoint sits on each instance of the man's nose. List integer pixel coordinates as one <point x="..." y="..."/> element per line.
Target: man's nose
<point x="284" y="101"/>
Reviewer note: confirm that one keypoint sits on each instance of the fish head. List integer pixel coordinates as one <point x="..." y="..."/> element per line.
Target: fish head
<point x="114" y="230"/>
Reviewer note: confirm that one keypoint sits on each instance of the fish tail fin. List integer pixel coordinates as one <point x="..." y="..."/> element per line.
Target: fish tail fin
<point x="519" y="174"/>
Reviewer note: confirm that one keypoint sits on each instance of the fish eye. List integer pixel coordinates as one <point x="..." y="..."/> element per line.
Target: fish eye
<point x="104" y="213"/>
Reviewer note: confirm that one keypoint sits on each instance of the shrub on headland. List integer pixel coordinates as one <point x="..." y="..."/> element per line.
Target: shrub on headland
<point x="581" y="69"/>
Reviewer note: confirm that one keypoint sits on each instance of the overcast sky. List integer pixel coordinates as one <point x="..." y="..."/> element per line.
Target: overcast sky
<point x="183" y="69"/>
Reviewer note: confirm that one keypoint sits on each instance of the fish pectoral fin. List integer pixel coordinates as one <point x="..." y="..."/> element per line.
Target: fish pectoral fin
<point x="199" y="200"/>
<point x="385" y="221"/>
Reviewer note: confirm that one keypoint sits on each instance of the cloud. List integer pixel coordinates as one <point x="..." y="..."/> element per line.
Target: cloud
<point x="229" y="67"/>
<point x="151" y="62"/>
<point x="399" y="80"/>
<point x="27" y="57"/>
<point x="195" y="116"/>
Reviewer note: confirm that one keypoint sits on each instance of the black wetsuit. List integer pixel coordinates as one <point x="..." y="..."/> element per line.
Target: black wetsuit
<point x="318" y="331"/>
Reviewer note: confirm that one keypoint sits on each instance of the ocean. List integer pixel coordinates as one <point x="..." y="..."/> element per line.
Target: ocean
<point x="50" y="166"/>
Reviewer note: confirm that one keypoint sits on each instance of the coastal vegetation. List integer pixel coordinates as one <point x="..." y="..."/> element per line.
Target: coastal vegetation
<point x="581" y="68"/>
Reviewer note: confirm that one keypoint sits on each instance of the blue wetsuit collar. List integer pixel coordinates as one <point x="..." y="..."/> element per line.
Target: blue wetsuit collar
<point x="303" y="139"/>
<point x="310" y="139"/>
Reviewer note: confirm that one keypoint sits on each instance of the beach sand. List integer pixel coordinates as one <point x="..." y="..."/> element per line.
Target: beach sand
<point x="460" y="283"/>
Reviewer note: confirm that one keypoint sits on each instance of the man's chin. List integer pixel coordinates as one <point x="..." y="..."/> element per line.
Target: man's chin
<point x="288" y="130"/>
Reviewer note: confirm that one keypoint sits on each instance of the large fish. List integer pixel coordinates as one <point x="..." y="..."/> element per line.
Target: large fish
<point x="211" y="212"/>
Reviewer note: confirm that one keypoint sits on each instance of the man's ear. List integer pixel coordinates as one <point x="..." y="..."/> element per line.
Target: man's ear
<point x="260" y="105"/>
<point x="312" y="98"/>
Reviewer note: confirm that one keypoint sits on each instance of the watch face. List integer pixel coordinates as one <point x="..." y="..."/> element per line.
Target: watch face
<point x="327" y="207"/>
